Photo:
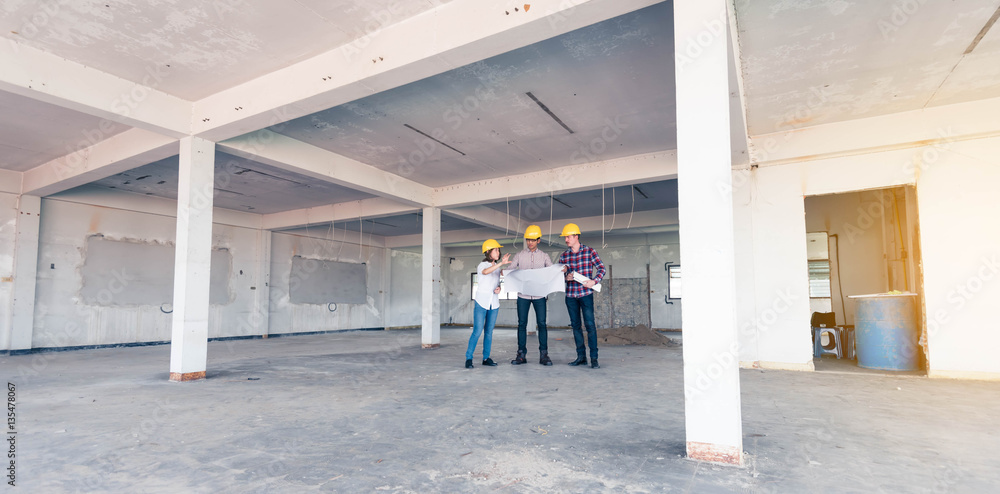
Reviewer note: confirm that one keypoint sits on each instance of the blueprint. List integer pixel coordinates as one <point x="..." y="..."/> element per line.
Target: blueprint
<point x="535" y="282"/>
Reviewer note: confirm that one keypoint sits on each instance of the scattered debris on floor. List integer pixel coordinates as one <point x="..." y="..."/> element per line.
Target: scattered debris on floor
<point x="634" y="335"/>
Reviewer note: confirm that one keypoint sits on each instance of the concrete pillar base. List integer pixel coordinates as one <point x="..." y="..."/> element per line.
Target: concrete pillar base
<point x="727" y="455"/>
<point x="187" y="376"/>
<point x="430" y="345"/>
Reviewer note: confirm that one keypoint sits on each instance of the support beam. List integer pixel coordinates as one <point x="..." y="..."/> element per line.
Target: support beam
<point x="259" y="319"/>
<point x="713" y="419"/>
<point x="296" y="156"/>
<point x="25" y="267"/>
<point x="609" y="173"/>
<point x="192" y="264"/>
<point x="376" y="207"/>
<point x="379" y="61"/>
<point x="96" y="195"/>
<point x="430" y="333"/>
<point x="119" y="153"/>
<point x="42" y="76"/>
<point x="939" y="125"/>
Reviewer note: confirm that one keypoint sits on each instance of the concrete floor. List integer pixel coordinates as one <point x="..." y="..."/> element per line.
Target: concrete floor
<point x="370" y="411"/>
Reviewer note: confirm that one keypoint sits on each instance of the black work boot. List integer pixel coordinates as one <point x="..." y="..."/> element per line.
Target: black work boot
<point x="579" y="361"/>
<point x="594" y="364"/>
<point x="468" y="363"/>
<point x="489" y="362"/>
<point x="544" y="359"/>
<point x="519" y="359"/>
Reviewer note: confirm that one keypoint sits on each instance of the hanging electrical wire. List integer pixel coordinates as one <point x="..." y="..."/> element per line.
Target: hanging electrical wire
<point x="551" y="199"/>
<point x="633" y="209"/>
<point x="613" y="209"/>
<point x="506" y="226"/>
<point x="603" y="244"/>
<point x="518" y="228"/>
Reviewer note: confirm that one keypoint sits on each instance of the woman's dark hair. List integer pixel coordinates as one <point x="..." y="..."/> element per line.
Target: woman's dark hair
<point x="486" y="255"/>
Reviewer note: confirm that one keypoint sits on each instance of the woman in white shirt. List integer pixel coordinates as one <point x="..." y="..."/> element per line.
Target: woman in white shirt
<point x="484" y="314"/>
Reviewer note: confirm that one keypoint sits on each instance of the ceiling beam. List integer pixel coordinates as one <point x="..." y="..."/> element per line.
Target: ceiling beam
<point x="96" y="195"/>
<point x="610" y="173"/>
<point x="277" y="150"/>
<point x="42" y="76"/>
<point x="376" y="207"/>
<point x="937" y="125"/>
<point x="116" y="154"/>
<point x="590" y="227"/>
<point x="464" y="31"/>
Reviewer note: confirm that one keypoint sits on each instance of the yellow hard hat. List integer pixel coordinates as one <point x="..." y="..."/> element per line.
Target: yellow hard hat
<point x="490" y="245"/>
<point x="533" y="232"/>
<point x="570" y="229"/>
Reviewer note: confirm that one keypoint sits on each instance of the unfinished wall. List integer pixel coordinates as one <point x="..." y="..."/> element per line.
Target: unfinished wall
<point x="958" y="213"/>
<point x="287" y="316"/>
<point x="405" y="289"/>
<point x="856" y="220"/>
<point x="63" y="318"/>
<point x="8" y="229"/>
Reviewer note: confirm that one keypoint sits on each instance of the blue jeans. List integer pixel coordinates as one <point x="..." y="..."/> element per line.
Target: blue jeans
<point x="482" y="319"/>
<point x="523" y="305"/>
<point x="586" y="305"/>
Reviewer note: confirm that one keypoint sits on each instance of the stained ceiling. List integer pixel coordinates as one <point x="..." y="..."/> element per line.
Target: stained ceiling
<point x="820" y="61"/>
<point x="538" y="107"/>
<point x="195" y="49"/>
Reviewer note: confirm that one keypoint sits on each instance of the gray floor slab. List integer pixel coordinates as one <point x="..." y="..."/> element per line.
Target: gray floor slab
<point x="371" y="411"/>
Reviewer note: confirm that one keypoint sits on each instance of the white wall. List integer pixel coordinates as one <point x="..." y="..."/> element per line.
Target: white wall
<point x="959" y="210"/>
<point x="8" y="229"/>
<point x="772" y="282"/>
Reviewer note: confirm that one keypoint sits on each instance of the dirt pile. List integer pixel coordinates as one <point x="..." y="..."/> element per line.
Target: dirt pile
<point x="634" y="335"/>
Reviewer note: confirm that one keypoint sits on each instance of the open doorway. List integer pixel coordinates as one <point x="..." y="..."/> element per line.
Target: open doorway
<point x="859" y="243"/>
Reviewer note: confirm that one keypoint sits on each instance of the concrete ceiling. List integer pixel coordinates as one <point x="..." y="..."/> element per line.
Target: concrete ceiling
<point x="401" y="224"/>
<point x="195" y="49"/>
<point x="33" y="132"/>
<point x="820" y="61"/>
<point x="617" y="75"/>
<point x="240" y="184"/>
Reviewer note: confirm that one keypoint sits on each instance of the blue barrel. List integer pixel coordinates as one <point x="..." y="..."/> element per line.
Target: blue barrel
<point x="886" y="333"/>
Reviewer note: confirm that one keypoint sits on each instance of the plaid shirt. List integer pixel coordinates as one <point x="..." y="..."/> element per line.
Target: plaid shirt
<point x="586" y="262"/>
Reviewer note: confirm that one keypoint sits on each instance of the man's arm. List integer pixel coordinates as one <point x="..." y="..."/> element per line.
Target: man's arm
<point x="515" y="263"/>
<point x="598" y="266"/>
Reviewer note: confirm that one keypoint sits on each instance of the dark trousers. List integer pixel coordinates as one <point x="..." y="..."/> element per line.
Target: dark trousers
<point x="523" y="305"/>
<point x="585" y="305"/>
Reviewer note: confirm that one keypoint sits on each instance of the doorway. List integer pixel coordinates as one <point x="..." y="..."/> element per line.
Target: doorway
<point x="859" y="243"/>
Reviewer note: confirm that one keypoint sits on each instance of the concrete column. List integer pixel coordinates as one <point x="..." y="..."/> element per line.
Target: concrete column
<point x="430" y="333"/>
<point x="25" y="268"/>
<point x="262" y="284"/>
<point x="192" y="263"/>
<point x="711" y="367"/>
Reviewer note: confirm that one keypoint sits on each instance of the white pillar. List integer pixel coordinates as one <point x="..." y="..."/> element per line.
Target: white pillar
<point x="430" y="333"/>
<point x="262" y="285"/>
<point x="25" y="269"/>
<point x="711" y="353"/>
<point x="192" y="262"/>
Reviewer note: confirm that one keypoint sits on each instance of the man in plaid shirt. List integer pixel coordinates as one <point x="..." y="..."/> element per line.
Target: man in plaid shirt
<point x="579" y="297"/>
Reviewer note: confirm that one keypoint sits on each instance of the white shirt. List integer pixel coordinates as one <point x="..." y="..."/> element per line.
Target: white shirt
<point x="487" y="283"/>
